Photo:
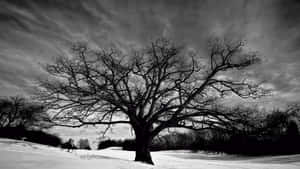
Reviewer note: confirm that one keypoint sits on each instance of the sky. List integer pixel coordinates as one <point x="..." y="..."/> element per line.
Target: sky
<point x="33" y="32"/>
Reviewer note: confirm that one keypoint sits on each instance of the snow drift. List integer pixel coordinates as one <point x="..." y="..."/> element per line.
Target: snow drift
<point x="15" y="154"/>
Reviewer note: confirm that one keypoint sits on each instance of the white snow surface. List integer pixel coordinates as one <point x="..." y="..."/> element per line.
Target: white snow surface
<point x="15" y="154"/>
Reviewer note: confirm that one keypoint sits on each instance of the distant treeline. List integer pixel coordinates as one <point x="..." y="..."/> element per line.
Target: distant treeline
<point x="276" y="132"/>
<point x="23" y="119"/>
<point x="36" y="136"/>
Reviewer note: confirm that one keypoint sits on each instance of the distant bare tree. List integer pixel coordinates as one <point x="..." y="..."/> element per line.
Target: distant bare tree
<point x="159" y="87"/>
<point x="18" y="111"/>
<point x="9" y="110"/>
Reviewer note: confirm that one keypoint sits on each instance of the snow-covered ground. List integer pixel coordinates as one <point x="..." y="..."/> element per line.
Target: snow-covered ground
<point x="24" y="155"/>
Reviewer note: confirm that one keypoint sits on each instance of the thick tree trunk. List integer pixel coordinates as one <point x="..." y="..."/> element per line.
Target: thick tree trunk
<point x="142" y="152"/>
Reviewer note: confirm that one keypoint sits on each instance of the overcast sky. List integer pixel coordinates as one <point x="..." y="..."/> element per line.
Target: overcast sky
<point x="34" y="31"/>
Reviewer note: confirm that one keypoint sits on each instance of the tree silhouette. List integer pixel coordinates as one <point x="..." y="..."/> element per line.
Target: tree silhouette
<point x="17" y="111"/>
<point x="159" y="87"/>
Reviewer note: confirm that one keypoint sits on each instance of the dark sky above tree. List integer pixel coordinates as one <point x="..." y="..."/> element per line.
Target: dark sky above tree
<point x="33" y="31"/>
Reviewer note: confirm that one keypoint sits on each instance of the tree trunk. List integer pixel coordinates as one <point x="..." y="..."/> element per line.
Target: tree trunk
<point x="142" y="152"/>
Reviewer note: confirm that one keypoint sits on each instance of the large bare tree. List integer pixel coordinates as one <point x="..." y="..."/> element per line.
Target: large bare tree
<point x="158" y="87"/>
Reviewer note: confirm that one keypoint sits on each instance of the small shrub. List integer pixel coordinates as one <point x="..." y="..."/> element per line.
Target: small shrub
<point x="109" y="143"/>
<point x="129" y="144"/>
<point x="84" y="144"/>
<point x="69" y="145"/>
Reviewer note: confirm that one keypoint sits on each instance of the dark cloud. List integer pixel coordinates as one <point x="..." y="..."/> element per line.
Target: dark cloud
<point x="33" y="31"/>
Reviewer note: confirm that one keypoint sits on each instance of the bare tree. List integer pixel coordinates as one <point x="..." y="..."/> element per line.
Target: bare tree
<point x="10" y="111"/>
<point x="17" y="111"/>
<point x="159" y="87"/>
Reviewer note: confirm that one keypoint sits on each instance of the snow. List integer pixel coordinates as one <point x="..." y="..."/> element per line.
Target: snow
<point x="25" y="155"/>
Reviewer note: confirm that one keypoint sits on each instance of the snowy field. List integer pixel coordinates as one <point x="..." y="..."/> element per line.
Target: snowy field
<point x="24" y="155"/>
